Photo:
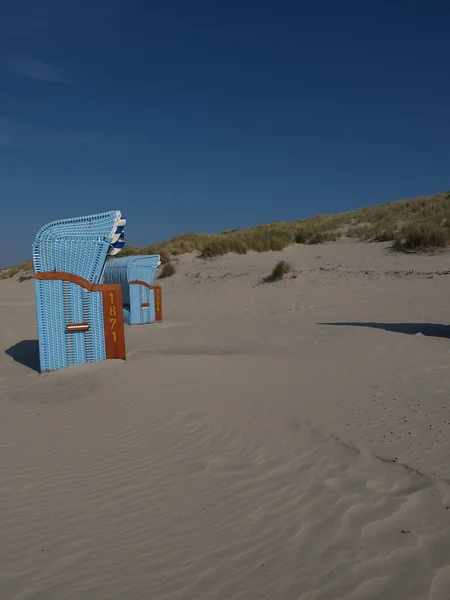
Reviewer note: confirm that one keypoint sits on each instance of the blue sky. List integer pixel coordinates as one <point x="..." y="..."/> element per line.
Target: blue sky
<point x="205" y="115"/>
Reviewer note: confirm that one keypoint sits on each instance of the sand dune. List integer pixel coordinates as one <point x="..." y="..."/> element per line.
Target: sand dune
<point x="287" y="440"/>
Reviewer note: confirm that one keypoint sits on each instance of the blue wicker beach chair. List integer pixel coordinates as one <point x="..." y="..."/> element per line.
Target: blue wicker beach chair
<point x="78" y="319"/>
<point x="142" y="301"/>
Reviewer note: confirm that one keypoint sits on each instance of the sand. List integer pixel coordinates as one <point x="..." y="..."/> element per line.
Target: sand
<point x="270" y="441"/>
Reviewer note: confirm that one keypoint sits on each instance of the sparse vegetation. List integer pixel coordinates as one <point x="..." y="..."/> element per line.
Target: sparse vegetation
<point x="426" y="236"/>
<point x="148" y="250"/>
<point x="281" y="270"/>
<point x="26" y="268"/>
<point x="168" y="270"/>
<point x="319" y="238"/>
<point x="420" y="224"/>
<point x="314" y="235"/>
<point x="302" y="236"/>
<point x="323" y="237"/>
<point x="262" y="239"/>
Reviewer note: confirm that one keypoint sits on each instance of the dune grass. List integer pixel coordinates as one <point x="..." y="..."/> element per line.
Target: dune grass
<point x="280" y="270"/>
<point x="420" y="236"/>
<point x="25" y="268"/>
<point x="380" y="223"/>
<point x="419" y="224"/>
<point x="168" y="270"/>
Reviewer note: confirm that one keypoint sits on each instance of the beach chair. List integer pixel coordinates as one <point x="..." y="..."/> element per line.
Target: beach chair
<point x="142" y="301"/>
<point x="79" y="320"/>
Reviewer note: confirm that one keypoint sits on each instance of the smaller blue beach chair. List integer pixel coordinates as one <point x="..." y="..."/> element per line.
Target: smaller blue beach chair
<point x="142" y="301"/>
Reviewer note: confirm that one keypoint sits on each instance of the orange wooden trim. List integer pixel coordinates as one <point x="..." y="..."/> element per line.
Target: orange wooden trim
<point x="113" y="322"/>
<point x="147" y="285"/>
<point x="84" y="283"/>
<point x="158" y="303"/>
<point x="77" y="327"/>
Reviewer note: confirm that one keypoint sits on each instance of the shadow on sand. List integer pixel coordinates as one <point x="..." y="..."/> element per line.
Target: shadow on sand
<point x="26" y="353"/>
<point x="429" y="329"/>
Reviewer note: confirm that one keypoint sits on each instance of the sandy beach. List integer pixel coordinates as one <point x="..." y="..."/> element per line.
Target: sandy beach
<point x="285" y="440"/>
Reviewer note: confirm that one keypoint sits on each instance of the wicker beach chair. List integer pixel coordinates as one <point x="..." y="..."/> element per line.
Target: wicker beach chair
<point x="142" y="301"/>
<point x="79" y="320"/>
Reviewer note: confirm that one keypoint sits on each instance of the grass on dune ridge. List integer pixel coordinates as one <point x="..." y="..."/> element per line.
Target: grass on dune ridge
<point x="418" y="224"/>
<point x="22" y="269"/>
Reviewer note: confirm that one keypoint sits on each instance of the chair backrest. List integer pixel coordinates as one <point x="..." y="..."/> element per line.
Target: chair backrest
<point x="79" y="245"/>
<point x="135" y="274"/>
<point x="130" y="268"/>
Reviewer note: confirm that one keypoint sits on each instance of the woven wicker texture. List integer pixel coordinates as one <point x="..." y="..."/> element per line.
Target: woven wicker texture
<point x="78" y="246"/>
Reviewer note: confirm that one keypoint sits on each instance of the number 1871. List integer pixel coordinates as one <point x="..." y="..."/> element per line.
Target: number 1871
<point x="112" y="316"/>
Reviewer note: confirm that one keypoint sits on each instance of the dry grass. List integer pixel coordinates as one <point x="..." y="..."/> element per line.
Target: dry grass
<point x="280" y="270"/>
<point x="259" y="239"/>
<point x="185" y="243"/>
<point x="168" y="270"/>
<point x="420" y="224"/>
<point x="321" y="237"/>
<point x="148" y="250"/>
<point x="419" y="236"/>
<point x="383" y="222"/>
<point x="26" y="268"/>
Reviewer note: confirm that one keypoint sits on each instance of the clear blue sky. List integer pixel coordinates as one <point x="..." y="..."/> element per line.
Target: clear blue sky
<point x="202" y="115"/>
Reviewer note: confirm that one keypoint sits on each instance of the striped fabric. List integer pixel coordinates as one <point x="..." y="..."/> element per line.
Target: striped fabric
<point x="117" y="237"/>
